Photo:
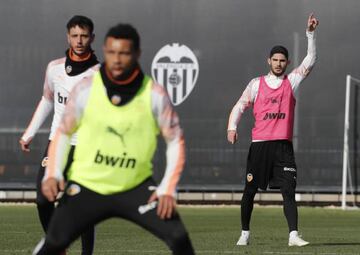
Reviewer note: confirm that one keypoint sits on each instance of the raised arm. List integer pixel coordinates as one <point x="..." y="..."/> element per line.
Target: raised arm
<point x="302" y="71"/>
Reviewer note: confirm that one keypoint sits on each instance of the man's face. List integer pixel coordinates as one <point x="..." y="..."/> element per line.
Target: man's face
<point x="79" y="40"/>
<point x="278" y="63"/>
<point x="120" y="56"/>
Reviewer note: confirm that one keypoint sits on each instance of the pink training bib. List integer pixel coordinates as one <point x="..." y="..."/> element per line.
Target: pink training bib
<point x="274" y="112"/>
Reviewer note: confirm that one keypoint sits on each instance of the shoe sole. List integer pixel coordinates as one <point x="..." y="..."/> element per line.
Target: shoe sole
<point x="299" y="245"/>
<point x="243" y="244"/>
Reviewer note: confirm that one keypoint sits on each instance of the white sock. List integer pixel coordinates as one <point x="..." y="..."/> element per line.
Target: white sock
<point x="245" y="232"/>
<point x="293" y="233"/>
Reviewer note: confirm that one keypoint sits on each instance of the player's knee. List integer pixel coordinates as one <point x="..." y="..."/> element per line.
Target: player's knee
<point x="249" y="192"/>
<point x="288" y="192"/>
<point x="179" y="241"/>
<point x="177" y="237"/>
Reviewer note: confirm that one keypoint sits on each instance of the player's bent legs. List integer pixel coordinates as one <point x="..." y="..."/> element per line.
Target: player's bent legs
<point x="290" y="207"/>
<point x="247" y="205"/>
<point x="78" y="209"/>
<point x="171" y="231"/>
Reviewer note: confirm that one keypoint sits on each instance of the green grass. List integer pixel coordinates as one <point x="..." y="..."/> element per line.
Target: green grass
<point x="212" y="230"/>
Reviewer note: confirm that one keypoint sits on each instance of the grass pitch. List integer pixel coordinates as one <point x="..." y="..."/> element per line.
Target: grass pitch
<point x="213" y="231"/>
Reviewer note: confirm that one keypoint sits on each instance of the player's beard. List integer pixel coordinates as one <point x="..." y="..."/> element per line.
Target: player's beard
<point x="84" y="53"/>
<point x="277" y="74"/>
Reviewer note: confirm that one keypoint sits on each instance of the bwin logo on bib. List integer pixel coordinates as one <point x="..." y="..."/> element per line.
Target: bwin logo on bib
<point x="177" y="69"/>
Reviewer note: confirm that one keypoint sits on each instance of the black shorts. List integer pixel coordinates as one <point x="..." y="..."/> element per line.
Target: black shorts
<point x="271" y="163"/>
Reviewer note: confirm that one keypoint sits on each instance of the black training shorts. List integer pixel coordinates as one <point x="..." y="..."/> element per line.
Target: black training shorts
<point x="271" y="163"/>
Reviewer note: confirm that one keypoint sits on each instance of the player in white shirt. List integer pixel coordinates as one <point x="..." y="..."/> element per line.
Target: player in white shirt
<point x="61" y="76"/>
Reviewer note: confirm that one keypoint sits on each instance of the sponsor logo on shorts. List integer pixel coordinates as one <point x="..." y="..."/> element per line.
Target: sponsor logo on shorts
<point x="73" y="190"/>
<point x="44" y="162"/>
<point x="249" y="177"/>
<point x="289" y="169"/>
<point x="145" y="208"/>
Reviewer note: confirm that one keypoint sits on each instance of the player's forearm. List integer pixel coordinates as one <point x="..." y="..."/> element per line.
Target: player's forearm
<point x="301" y="72"/>
<point x="237" y="111"/>
<point x="235" y="117"/>
<point x="58" y="151"/>
<point x="175" y="160"/>
<point x="43" y="109"/>
<point x="168" y="122"/>
<point x="241" y="105"/>
<point x="310" y="59"/>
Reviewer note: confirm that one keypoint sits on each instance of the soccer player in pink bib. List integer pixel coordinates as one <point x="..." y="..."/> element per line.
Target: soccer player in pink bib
<point x="271" y="160"/>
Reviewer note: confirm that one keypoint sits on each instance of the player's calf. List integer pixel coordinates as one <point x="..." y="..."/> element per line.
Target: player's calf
<point x="182" y="245"/>
<point x="179" y="243"/>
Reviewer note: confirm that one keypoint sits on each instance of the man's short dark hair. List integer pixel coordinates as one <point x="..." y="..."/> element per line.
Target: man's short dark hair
<point x="81" y="21"/>
<point x="125" y="31"/>
<point x="279" y="49"/>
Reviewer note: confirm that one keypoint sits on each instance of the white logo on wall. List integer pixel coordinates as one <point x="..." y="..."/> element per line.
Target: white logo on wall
<point x="177" y="69"/>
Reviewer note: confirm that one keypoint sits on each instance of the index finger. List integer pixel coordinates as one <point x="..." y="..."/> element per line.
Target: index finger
<point x="160" y="206"/>
<point x="54" y="192"/>
<point x="171" y="208"/>
<point x="311" y="16"/>
<point x="165" y="208"/>
<point x="47" y="193"/>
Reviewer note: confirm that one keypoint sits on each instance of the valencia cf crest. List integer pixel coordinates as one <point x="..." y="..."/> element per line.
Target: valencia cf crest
<point x="73" y="190"/>
<point x="115" y="99"/>
<point x="68" y="69"/>
<point x="177" y="69"/>
<point x="44" y="162"/>
<point x="249" y="177"/>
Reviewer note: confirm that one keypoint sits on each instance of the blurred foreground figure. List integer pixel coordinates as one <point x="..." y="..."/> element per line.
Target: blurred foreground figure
<point x="117" y="114"/>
